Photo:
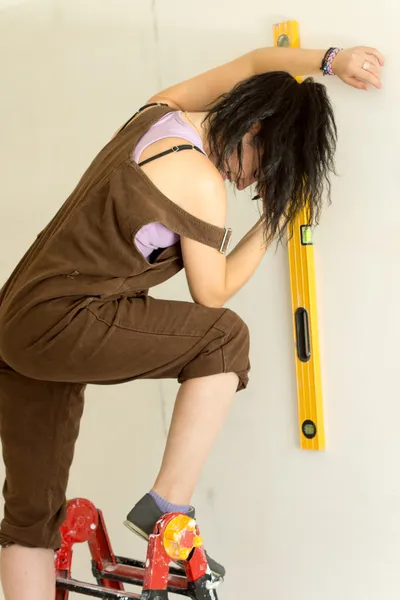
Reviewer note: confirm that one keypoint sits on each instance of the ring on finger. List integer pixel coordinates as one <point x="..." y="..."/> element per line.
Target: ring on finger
<point x="366" y="65"/>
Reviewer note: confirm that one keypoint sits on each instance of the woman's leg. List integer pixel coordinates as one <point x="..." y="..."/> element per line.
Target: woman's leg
<point x="39" y="424"/>
<point x="27" y="573"/>
<point x="206" y="349"/>
<point x="200" y="410"/>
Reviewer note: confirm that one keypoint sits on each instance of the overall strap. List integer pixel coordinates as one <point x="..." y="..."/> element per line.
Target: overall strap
<point x="174" y="149"/>
<point x="140" y="110"/>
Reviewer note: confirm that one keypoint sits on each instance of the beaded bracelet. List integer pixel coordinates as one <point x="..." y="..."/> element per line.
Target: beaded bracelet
<point x="326" y="65"/>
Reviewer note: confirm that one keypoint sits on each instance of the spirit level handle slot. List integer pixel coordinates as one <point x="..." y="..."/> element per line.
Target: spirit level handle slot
<point x="303" y="334"/>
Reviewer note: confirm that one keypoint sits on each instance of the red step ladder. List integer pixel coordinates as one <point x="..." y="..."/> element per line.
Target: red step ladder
<point x="176" y="537"/>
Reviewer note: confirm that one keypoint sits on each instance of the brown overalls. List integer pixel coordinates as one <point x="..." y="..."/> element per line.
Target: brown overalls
<point x="76" y="311"/>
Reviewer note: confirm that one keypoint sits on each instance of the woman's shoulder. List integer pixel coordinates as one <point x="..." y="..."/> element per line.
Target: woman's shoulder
<point x="190" y="180"/>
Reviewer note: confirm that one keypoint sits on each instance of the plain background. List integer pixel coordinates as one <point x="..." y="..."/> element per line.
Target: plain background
<point x="288" y="524"/>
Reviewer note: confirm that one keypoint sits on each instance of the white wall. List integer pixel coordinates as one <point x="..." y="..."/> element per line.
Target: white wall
<point x="288" y="524"/>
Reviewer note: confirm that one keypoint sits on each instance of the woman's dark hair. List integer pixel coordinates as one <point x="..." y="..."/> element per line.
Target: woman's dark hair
<point x="295" y="142"/>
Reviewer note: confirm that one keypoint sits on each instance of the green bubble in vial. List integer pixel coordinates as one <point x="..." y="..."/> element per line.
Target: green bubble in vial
<point x="283" y="41"/>
<point x="306" y="234"/>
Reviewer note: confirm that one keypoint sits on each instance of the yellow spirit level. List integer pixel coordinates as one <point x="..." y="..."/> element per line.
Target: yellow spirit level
<point x="304" y="304"/>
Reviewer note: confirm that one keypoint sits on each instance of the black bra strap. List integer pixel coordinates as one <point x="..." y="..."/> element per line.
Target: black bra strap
<point x="140" y="110"/>
<point x="174" y="149"/>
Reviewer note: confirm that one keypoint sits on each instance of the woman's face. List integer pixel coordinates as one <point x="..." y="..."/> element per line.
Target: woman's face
<point x="250" y="165"/>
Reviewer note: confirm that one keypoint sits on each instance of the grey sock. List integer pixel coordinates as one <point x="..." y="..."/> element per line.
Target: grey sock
<point x="168" y="507"/>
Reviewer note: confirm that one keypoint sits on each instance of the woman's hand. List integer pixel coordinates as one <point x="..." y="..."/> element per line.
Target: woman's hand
<point x="359" y="67"/>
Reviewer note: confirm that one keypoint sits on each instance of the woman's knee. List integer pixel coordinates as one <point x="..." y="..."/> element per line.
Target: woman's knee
<point x="237" y="328"/>
<point x="33" y="525"/>
<point x="224" y="349"/>
<point x="236" y="347"/>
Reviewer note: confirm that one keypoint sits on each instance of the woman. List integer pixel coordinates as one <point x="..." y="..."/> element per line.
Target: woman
<point x="76" y="309"/>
